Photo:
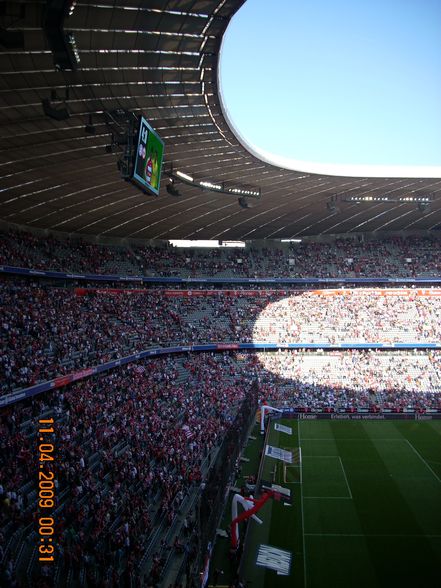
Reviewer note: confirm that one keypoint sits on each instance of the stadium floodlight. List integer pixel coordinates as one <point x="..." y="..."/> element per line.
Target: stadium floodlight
<point x="184" y="176"/>
<point x="213" y="185"/>
<point x="244" y="192"/>
<point x="413" y="197"/>
<point x="210" y="185"/>
<point x="331" y="204"/>
<point x="73" y="44"/>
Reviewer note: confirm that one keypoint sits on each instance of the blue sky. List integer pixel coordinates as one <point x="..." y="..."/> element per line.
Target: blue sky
<point x="343" y="82"/>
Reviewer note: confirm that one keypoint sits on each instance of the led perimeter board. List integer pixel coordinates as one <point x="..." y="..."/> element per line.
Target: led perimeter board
<point x="148" y="158"/>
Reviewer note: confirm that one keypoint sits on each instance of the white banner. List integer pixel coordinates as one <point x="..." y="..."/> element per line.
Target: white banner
<point x="275" y="559"/>
<point x="278" y="453"/>
<point x="282" y="428"/>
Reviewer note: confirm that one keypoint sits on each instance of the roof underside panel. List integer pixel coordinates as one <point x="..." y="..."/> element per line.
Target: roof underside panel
<point x="160" y="59"/>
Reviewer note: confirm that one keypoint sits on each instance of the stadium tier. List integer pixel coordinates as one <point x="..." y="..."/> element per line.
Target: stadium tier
<point x="131" y="450"/>
<point x="49" y="331"/>
<point x="345" y="257"/>
<point x="136" y="444"/>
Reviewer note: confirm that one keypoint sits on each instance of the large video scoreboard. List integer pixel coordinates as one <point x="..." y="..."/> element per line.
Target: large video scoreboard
<point x="148" y="158"/>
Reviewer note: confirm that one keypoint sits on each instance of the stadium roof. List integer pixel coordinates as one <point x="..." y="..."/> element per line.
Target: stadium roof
<point x="160" y="58"/>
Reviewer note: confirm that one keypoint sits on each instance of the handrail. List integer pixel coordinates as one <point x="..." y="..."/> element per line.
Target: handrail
<point x="35" y="273"/>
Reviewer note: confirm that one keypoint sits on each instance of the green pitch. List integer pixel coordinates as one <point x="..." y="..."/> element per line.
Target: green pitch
<point x="366" y="509"/>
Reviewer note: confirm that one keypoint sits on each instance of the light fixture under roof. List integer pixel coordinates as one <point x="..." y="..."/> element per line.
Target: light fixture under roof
<point x="210" y="185"/>
<point x="387" y="198"/>
<point x="184" y="176"/>
<point x="220" y="187"/>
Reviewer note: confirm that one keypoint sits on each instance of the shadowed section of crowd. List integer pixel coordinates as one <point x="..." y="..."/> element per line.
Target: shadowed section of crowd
<point x="132" y="449"/>
<point x="388" y="257"/>
<point x="49" y="331"/>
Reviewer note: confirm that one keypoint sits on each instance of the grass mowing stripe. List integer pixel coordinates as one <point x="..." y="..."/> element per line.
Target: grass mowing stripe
<point x="346" y="478"/>
<point x="387" y="536"/>
<point x="328" y="497"/>
<point x="351" y="438"/>
<point x="372" y="485"/>
<point x="305" y="582"/>
<point x="429" y="444"/>
<point x="387" y="505"/>
<point x="423" y="460"/>
<point x="342" y="470"/>
<point x="370" y="535"/>
<point x="319" y="456"/>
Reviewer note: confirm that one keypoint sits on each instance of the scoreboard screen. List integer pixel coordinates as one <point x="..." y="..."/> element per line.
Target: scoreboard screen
<point x="148" y="158"/>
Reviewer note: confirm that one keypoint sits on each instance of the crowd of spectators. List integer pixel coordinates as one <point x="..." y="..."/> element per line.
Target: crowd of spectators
<point x="22" y="249"/>
<point x="362" y="316"/>
<point x="386" y="257"/>
<point x="131" y="447"/>
<point x="45" y="328"/>
<point x="351" y="379"/>
<point x="134" y="445"/>
<point x="50" y="331"/>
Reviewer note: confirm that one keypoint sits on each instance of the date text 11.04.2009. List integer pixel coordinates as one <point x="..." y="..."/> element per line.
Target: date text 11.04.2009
<point x="46" y="490"/>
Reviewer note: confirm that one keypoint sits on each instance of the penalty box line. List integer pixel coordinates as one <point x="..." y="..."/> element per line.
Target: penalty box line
<point x="285" y="467"/>
<point x="423" y="460"/>
<point x="293" y="466"/>
<point x="373" y="439"/>
<point x="350" y="497"/>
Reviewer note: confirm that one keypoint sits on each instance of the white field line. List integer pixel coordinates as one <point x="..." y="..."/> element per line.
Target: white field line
<point x="350" y="497"/>
<point x="346" y="478"/>
<point x="422" y="459"/>
<point x="377" y="439"/>
<point x="301" y="503"/>
<point x="285" y="470"/>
